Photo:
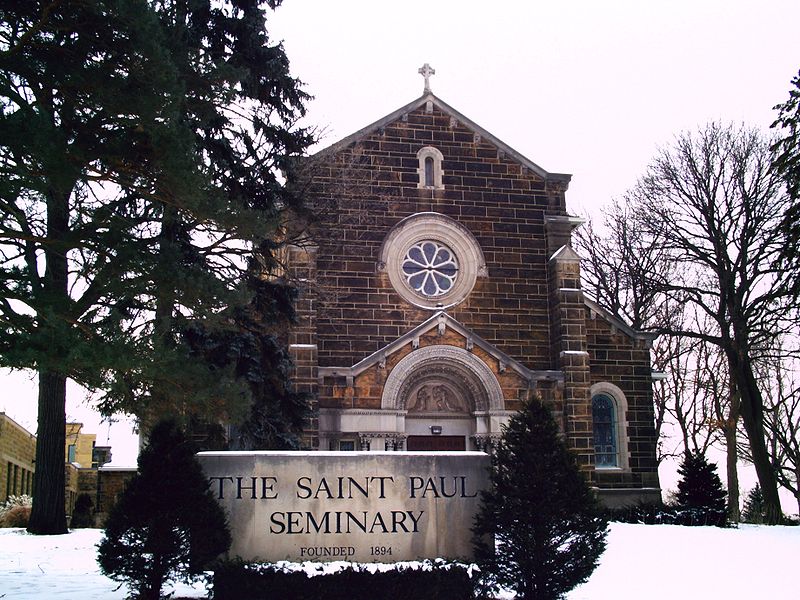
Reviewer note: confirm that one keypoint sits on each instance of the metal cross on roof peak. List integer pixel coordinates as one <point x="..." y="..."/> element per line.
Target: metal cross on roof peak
<point x="426" y="71"/>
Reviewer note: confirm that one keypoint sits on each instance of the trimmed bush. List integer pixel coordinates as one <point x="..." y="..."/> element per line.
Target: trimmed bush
<point x="753" y="511"/>
<point x="540" y="510"/>
<point x="643" y="513"/>
<point x="166" y="526"/>
<point x="236" y="580"/>
<point x="82" y="514"/>
<point x="701" y="499"/>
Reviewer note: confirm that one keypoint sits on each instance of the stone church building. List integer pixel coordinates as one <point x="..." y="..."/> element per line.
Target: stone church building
<point x="439" y="290"/>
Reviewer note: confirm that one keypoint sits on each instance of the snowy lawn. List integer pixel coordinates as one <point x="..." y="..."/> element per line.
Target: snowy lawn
<point x="642" y="561"/>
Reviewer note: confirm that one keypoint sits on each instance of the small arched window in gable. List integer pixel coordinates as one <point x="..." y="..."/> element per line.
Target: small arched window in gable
<point x="428" y="171"/>
<point x="430" y="168"/>
<point x="604" y="417"/>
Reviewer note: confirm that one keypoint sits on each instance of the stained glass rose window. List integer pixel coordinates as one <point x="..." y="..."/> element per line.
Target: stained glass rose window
<point x="430" y="268"/>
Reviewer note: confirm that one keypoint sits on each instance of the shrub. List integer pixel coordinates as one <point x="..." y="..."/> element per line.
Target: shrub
<point x="643" y="513"/>
<point x="16" y="511"/>
<point x="17" y="516"/>
<point x="540" y="510"/>
<point x="82" y="513"/>
<point x="701" y="498"/>
<point x="166" y="525"/>
<point x="236" y="580"/>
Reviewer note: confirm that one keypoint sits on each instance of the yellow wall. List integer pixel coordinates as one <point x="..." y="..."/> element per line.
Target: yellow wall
<point x="83" y="442"/>
<point x="17" y="453"/>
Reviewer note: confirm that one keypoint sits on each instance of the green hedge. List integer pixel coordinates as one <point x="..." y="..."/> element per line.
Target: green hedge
<point x="234" y="580"/>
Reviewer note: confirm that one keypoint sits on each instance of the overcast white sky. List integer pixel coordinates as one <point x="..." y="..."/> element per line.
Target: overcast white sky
<point x="582" y="87"/>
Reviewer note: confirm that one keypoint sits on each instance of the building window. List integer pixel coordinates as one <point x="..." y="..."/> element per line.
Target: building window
<point x="71" y="453"/>
<point x="430" y="268"/>
<point x="428" y="172"/>
<point x="430" y="168"/>
<point x="605" y="431"/>
<point x="347" y="445"/>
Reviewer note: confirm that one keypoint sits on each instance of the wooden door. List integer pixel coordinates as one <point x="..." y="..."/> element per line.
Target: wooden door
<point x="434" y="443"/>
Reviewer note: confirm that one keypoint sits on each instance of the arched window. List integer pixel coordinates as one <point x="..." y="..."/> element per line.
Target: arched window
<point x="604" y="418"/>
<point x="609" y="426"/>
<point x="430" y="168"/>
<point x="428" y="171"/>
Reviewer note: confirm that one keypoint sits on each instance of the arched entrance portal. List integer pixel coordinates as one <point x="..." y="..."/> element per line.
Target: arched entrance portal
<point x="448" y="396"/>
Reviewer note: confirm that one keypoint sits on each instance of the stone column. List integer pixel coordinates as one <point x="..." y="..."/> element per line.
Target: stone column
<point x="570" y="352"/>
<point x="302" y="271"/>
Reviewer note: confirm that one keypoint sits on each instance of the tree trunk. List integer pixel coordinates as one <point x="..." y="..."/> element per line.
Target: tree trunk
<point x="797" y="493"/>
<point x="48" y="514"/>
<point x="752" y="413"/>
<point x="160" y="404"/>
<point x="730" y="427"/>
<point x="731" y="458"/>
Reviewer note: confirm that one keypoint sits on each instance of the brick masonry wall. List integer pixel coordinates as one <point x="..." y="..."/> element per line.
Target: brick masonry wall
<point x="625" y="362"/>
<point x="364" y="190"/>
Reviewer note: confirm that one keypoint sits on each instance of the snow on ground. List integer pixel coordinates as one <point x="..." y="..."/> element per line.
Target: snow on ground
<point x="62" y="567"/>
<point x="658" y="562"/>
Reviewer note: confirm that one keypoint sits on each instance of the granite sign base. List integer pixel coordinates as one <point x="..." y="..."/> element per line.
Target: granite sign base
<point x="353" y="506"/>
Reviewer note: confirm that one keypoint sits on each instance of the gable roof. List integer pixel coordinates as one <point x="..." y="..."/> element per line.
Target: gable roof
<point x="617" y="323"/>
<point x="446" y="108"/>
<point x="442" y="321"/>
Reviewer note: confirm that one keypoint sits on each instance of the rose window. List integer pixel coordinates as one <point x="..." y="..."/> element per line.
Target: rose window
<point x="430" y="268"/>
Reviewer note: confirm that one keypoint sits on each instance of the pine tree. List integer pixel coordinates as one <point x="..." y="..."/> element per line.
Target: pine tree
<point x="753" y="511"/>
<point x="166" y="526"/>
<point x="540" y="510"/>
<point x="140" y="145"/>
<point x="700" y="492"/>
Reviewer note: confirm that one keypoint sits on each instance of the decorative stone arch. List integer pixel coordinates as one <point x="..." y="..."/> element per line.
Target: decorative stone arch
<point x="455" y="368"/>
<point x="440" y="228"/>
<point x="430" y="168"/>
<point x="620" y="402"/>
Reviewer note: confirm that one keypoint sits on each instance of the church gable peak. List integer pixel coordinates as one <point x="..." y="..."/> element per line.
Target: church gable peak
<point x="428" y="102"/>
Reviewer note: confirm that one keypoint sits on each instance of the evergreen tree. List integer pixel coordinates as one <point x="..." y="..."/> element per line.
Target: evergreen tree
<point x="83" y="513"/>
<point x="787" y="163"/>
<point x="140" y="142"/>
<point x="700" y="492"/>
<point x="540" y="511"/>
<point x="753" y="511"/>
<point x="276" y="412"/>
<point x="166" y="526"/>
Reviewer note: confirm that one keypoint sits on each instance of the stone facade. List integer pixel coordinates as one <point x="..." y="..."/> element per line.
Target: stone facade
<point x="398" y="353"/>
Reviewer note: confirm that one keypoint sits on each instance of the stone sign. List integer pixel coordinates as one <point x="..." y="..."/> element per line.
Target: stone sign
<point x="354" y="506"/>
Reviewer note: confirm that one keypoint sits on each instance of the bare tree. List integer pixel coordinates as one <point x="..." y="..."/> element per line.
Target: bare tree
<point x="714" y="204"/>
<point x="621" y="260"/>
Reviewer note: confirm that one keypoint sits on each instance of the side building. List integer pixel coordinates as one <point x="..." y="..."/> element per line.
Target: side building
<point x="440" y="290"/>
<point x="17" y="458"/>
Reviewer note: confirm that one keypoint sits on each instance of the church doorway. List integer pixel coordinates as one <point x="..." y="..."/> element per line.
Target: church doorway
<point x="436" y="443"/>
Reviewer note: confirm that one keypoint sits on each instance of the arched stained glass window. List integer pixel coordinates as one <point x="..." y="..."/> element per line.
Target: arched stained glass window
<point x="605" y="431"/>
<point x="430" y="168"/>
<point x="428" y="171"/>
